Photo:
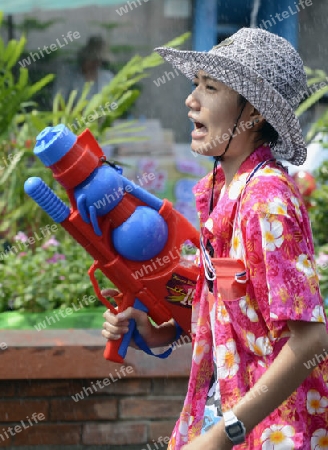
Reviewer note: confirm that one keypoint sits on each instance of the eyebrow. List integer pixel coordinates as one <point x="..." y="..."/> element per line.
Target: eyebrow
<point x="206" y="77"/>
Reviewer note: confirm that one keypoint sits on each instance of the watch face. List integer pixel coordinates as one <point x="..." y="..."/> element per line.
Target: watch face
<point x="235" y="430"/>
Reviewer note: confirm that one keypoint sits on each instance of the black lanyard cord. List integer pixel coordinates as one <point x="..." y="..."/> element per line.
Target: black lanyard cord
<point x="220" y="158"/>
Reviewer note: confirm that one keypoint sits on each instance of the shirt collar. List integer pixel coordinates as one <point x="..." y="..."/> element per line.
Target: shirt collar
<point x="203" y="189"/>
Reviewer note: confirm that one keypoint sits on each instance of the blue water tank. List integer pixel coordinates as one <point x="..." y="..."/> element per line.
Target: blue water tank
<point x="280" y="17"/>
<point x="214" y="20"/>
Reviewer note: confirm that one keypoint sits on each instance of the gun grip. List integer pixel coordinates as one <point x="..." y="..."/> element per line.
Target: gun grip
<point x="111" y="352"/>
<point x="116" y="350"/>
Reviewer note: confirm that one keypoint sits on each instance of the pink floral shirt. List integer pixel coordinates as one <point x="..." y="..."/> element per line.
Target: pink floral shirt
<point x="272" y="235"/>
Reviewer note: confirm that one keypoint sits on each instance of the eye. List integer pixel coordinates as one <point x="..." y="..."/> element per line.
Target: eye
<point x="210" y="88"/>
<point x="194" y="85"/>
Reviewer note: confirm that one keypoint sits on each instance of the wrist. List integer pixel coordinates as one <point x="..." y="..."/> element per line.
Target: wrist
<point x="161" y="335"/>
<point x="220" y="436"/>
<point x="234" y="428"/>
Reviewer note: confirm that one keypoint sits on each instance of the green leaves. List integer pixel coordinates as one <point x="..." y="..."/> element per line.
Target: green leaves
<point x="318" y="82"/>
<point x="319" y="212"/>
<point x="29" y="282"/>
<point x="121" y="92"/>
<point x="318" y="87"/>
<point x="21" y="121"/>
<point x="14" y="90"/>
<point x="41" y="277"/>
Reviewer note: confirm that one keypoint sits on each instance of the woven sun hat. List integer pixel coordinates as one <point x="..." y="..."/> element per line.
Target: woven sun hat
<point x="266" y="70"/>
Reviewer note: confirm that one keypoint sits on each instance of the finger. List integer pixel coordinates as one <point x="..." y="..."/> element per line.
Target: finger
<point x="132" y="313"/>
<point x="114" y="329"/>
<point x="109" y="292"/>
<point x="114" y="319"/>
<point x="112" y="337"/>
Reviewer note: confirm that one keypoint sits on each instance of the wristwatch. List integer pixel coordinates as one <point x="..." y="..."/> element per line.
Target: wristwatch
<point x="234" y="428"/>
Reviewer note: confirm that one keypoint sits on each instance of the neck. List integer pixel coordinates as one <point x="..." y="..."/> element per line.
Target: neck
<point x="230" y="165"/>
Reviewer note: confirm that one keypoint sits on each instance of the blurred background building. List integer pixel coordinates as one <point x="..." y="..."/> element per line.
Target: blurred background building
<point x="139" y="26"/>
<point x="125" y="28"/>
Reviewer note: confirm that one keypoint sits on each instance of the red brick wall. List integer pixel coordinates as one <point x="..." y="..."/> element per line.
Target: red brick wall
<point x="39" y="374"/>
<point x="131" y="411"/>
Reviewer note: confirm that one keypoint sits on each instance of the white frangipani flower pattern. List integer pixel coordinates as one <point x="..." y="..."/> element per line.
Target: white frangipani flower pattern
<point x="318" y="314"/>
<point x="315" y="403"/>
<point x="236" y="187"/>
<point x="222" y="314"/>
<point x="260" y="346"/>
<point x="272" y="234"/>
<point x="304" y="265"/>
<point x="209" y="224"/>
<point x="278" y="206"/>
<point x="296" y="204"/>
<point x="278" y="437"/>
<point x="200" y="348"/>
<point x="273" y="316"/>
<point x="248" y="309"/>
<point x="235" y="250"/>
<point x="227" y="359"/>
<point x="319" y="439"/>
<point x="269" y="171"/>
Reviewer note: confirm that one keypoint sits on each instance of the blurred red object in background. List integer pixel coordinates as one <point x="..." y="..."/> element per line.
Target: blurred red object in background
<point x="306" y="184"/>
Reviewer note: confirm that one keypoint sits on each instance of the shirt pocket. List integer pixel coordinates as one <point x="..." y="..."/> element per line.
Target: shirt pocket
<point x="231" y="278"/>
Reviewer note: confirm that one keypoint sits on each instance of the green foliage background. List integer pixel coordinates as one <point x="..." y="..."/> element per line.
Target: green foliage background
<point x="317" y="82"/>
<point x="31" y="279"/>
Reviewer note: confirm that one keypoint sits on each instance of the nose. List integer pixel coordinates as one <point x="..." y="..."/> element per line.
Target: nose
<point x="192" y="102"/>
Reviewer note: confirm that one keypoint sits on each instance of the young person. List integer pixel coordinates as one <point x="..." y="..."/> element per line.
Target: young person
<point x="259" y="341"/>
<point x="89" y="68"/>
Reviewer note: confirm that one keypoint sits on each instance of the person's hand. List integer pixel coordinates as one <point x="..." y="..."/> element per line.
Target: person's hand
<point x="116" y="325"/>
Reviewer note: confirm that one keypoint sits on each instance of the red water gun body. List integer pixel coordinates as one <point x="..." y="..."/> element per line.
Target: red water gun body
<point x="134" y="238"/>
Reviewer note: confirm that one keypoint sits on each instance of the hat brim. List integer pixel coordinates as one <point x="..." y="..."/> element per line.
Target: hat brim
<point x="262" y="95"/>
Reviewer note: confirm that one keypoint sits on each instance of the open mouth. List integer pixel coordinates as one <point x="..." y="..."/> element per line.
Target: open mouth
<point x="199" y="128"/>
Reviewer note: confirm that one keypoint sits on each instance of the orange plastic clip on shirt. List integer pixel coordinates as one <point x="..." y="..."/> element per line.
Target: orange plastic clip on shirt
<point x="230" y="278"/>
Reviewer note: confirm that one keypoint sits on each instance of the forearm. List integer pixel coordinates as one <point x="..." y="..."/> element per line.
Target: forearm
<point x="284" y="376"/>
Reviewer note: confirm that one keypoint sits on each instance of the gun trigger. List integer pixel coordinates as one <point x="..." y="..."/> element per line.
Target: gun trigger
<point x="81" y="206"/>
<point x="94" y="220"/>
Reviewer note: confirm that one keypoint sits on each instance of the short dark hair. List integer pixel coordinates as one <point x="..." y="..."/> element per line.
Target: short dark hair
<point x="267" y="133"/>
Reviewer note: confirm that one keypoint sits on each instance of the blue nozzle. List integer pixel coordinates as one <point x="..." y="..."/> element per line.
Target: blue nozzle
<point x="53" y="143"/>
<point x="46" y="199"/>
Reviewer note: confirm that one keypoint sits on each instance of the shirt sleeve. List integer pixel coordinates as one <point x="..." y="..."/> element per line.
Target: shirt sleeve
<point x="282" y="268"/>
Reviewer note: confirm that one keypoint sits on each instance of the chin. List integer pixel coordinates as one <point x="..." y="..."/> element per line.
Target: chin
<point x="197" y="150"/>
<point x="204" y="148"/>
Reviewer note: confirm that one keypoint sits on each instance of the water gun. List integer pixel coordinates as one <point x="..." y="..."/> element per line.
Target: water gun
<point x="134" y="237"/>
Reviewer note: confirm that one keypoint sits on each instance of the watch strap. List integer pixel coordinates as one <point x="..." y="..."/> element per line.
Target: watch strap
<point x="229" y="417"/>
<point x="231" y="421"/>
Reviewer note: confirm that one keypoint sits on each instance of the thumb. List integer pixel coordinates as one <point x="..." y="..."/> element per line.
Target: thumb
<point x="132" y="313"/>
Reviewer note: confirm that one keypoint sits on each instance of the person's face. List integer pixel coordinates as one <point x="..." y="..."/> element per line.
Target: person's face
<point x="214" y="109"/>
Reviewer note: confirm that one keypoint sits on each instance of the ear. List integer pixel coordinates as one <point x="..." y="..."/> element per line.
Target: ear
<point x="255" y="117"/>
